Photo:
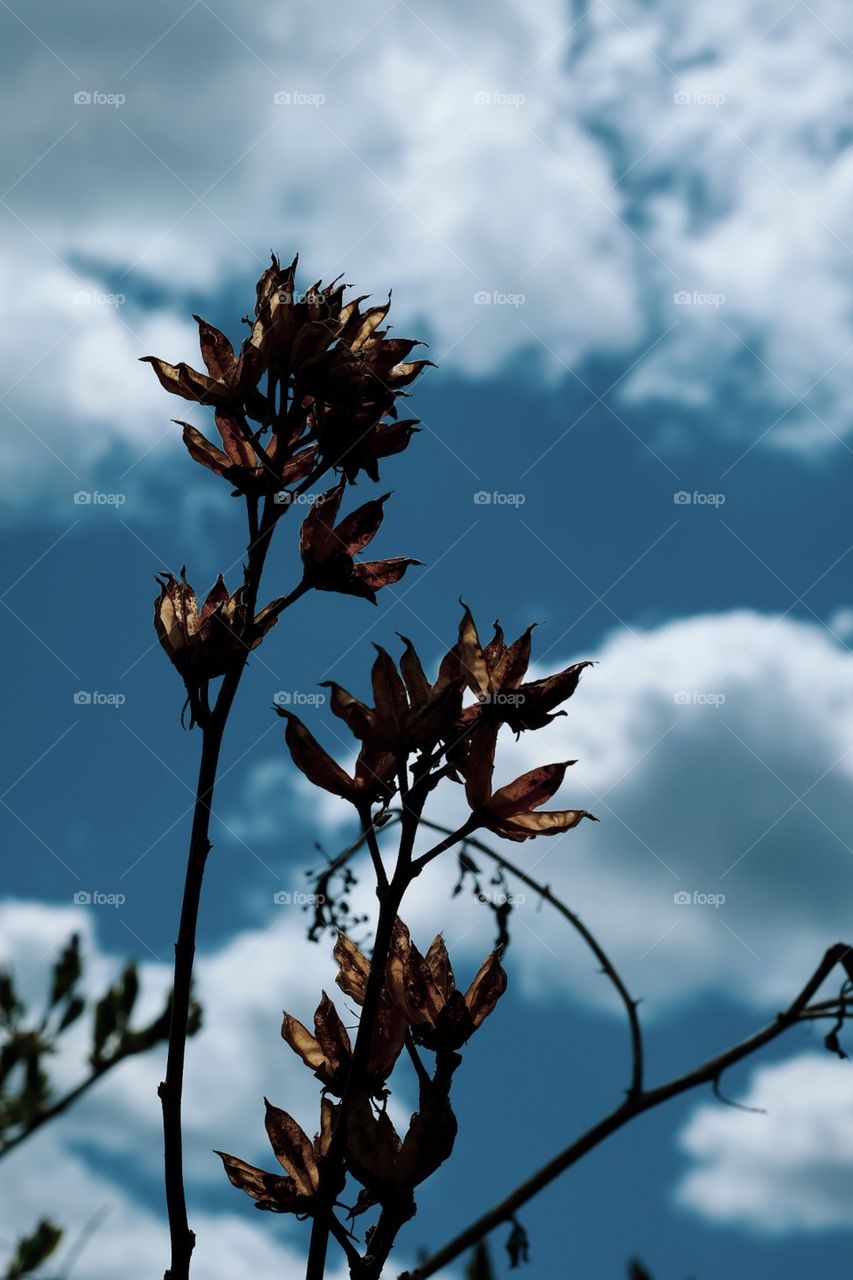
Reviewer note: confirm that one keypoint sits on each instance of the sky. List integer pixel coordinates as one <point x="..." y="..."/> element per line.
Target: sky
<point x="622" y="229"/>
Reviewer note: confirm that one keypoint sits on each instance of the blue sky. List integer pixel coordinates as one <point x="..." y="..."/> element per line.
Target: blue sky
<point x="622" y="229"/>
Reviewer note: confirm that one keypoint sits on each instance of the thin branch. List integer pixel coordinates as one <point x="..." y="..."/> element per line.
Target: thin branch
<point x="58" y="1107"/>
<point x="607" y="966"/>
<point x="707" y="1073"/>
<point x="339" y="1231"/>
<point x="451" y="838"/>
<point x="368" y="831"/>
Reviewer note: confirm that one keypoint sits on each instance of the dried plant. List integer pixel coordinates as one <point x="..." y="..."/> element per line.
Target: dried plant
<point x="417" y="734"/>
<point x="313" y="391"/>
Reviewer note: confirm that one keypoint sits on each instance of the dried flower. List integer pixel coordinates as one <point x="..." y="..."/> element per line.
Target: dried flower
<point x="495" y="672"/>
<point x="391" y="1026"/>
<point x="327" y="551"/>
<point x="203" y="643"/>
<point x="295" y="1152"/>
<point x="409" y="713"/>
<point x="328" y="1052"/>
<point x="440" y="1016"/>
<point x="374" y="770"/>
<point x="333" y="377"/>
<point x="510" y="811"/>
<point x="385" y="1165"/>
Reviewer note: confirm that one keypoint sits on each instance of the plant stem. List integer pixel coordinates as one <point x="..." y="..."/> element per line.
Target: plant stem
<point x="390" y="898"/>
<point x="171" y="1090"/>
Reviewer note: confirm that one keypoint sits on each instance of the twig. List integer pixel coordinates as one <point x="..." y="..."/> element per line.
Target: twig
<point x="608" y="968"/>
<point x="632" y="1107"/>
<point x="61" y="1105"/>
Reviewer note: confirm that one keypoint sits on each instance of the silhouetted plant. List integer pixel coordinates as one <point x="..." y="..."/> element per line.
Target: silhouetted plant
<point x="332" y="377"/>
<point x="313" y="390"/>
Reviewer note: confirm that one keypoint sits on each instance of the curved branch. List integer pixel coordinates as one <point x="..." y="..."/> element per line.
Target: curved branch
<point x="632" y="1107"/>
<point x="607" y="966"/>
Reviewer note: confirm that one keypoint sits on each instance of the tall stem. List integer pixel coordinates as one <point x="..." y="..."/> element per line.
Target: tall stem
<point x="171" y="1090"/>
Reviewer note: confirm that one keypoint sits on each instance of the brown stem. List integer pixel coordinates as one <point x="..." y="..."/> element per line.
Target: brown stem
<point x="451" y="838"/>
<point x="633" y="1106"/>
<point x="333" y="1163"/>
<point x="333" y="1160"/>
<point x="171" y="1089"/>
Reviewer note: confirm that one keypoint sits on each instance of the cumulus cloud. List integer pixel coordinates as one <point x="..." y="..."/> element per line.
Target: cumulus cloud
<point x="790" y="1169"/>
<point x="546" y="182"/>
<point x="104" y="1152"/>
<point x="716" y="753"/>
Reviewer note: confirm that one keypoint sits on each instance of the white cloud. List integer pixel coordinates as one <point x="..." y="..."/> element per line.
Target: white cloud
<point x="788" y="1170"/>
<point x="72" y="1168"/>
<point x="716" y="753"/>
<point x="581" y="183"/>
